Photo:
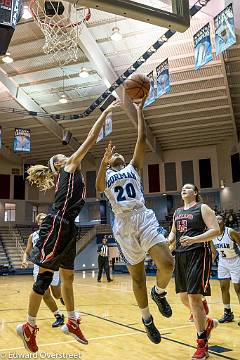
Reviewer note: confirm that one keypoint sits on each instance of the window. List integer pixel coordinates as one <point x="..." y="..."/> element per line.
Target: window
<point x="153" y="178"/>
<point x="170" y="176"/>
<point x="235" y="162"/>
<point x="205" y="173"/>
<point x="9" y="212"/>
<point x="187" y="172"/>
<point x="34" y="213"/>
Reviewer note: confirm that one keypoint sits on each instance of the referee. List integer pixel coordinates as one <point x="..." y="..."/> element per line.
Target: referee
<point x="103" y="261"/>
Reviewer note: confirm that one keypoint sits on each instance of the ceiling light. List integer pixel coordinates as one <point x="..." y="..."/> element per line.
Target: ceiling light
<point x="63" y="99"/>
<point x="26" y="13"/>
<point x="7" y="59"/>
<point x="84" y="73"/>
<point x="116" y="35"/>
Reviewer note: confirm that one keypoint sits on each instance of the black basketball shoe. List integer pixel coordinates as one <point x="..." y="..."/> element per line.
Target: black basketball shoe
<point x="227" y="317"/>
<point x="59" y="321"/>
<point x="161" y="301"/>
<point x="152" y="332"/>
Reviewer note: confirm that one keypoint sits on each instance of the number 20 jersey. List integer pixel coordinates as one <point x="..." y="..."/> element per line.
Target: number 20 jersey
<point x="124" y="189"/>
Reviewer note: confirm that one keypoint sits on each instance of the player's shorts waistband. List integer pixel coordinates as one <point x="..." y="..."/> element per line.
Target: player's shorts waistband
<point x="127" y="212"/>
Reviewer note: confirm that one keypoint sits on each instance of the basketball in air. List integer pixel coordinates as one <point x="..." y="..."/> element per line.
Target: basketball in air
<point x="137" y="86"/>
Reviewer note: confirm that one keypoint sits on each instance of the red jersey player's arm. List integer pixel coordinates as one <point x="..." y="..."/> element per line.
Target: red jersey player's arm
<point x="74" y="161"/>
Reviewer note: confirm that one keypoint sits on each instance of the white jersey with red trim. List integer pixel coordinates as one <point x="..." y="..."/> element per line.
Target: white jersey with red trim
<point x="124" y="189"/>
<point x="225" y="246"/>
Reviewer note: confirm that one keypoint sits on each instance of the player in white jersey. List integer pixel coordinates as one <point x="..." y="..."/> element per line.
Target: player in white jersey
<point x="55" y="284"/>
<point x="136" y="228"/>
<point x="227" y="245"/>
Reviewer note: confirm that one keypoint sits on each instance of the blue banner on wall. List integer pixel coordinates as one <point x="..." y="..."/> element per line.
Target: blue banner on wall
<point x="151" y="96"/>
<point x="106" y="129"/>
<point x="163" y="80"/>
<point x="21" y="140"/>
<point x="203" y="47"/>
<point x="225" y="35"/>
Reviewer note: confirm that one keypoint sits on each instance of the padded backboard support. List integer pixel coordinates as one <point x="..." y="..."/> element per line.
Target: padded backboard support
<point x="178" y="19"/>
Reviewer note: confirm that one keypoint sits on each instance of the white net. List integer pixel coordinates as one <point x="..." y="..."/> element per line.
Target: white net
<point x="61" y="24"/>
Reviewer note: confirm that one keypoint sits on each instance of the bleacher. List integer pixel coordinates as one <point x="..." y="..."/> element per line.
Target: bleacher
<point x="5" y="266"/>
<point x="13" y="245"/>
<point x="25" y="231"/>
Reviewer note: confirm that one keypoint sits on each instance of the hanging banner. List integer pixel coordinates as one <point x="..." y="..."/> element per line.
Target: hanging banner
<point x="21" y="140"/>
<point x="163" y="80"/>
<point x="100" y="135"/>
<point x="106" y="129"/>
<point x="108" y="124"/>
<point x="225" y="35"/>
<point x="203" y="47"/>
<point x="151" y="96"/>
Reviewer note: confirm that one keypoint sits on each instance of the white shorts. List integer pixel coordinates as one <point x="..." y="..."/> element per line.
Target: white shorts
<point x="136" y="232"/>
<point x="229" y="269"/>
<point x="56" y="277"/>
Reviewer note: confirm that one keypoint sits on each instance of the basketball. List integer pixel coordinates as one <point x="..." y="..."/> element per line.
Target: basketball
<point x="137" y="86"/>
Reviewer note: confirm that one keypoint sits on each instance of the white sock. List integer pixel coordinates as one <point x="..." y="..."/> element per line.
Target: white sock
<point x="31" y="320"/>
<point x="72" y="315"/>
<point x="57" y="312"/>
<point x="227" y="306"/>
<point x="159" y="290"/>
<point x="145" y="314"/>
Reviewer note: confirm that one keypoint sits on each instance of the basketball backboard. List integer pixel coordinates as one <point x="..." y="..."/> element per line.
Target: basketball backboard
<point x="173" y="14"/>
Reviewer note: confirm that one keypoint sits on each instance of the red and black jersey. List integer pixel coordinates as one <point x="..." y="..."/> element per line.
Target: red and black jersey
<point x="189" y="223"/>
<point x="69" y="194"/>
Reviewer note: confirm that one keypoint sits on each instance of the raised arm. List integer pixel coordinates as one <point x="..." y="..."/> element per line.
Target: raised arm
<point x="101" y="176"/>
<point x="27" y="252"/>
<point x="74" y="161"/>
<point x="138" y="156"/>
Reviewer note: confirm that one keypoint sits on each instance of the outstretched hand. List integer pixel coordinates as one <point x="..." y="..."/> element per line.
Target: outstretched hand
<point x="138" y="104"/>
<point x="109" y="151"/>
<point x="114" y="105"/>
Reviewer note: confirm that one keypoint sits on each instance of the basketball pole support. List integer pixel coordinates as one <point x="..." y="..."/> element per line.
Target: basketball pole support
<point x="178" y="19"/>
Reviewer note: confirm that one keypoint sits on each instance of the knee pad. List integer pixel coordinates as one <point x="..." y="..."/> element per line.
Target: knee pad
<point x="43" y="282"/>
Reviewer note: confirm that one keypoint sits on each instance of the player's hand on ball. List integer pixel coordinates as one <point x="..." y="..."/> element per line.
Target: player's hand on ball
<point x="139" y="103"/>
<point x="109" y="151"/>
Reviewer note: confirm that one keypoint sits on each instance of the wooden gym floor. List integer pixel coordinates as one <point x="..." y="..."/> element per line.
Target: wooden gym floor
<point x="111" y="322"/>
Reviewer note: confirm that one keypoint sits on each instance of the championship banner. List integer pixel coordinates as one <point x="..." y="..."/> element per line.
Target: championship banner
<point x="203" y="47"/>
<point x="100" y="135"/>
<point x="21" y="140"/>
<point x="163" y="80"/>
<point x="108" y="124"/>
<point x="151" y="96"/>
<point x="225" y="35"/>
<point x="106" y="129"/>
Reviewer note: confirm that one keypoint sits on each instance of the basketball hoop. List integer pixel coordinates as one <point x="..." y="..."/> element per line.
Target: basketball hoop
<point x="61" y="24"/>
